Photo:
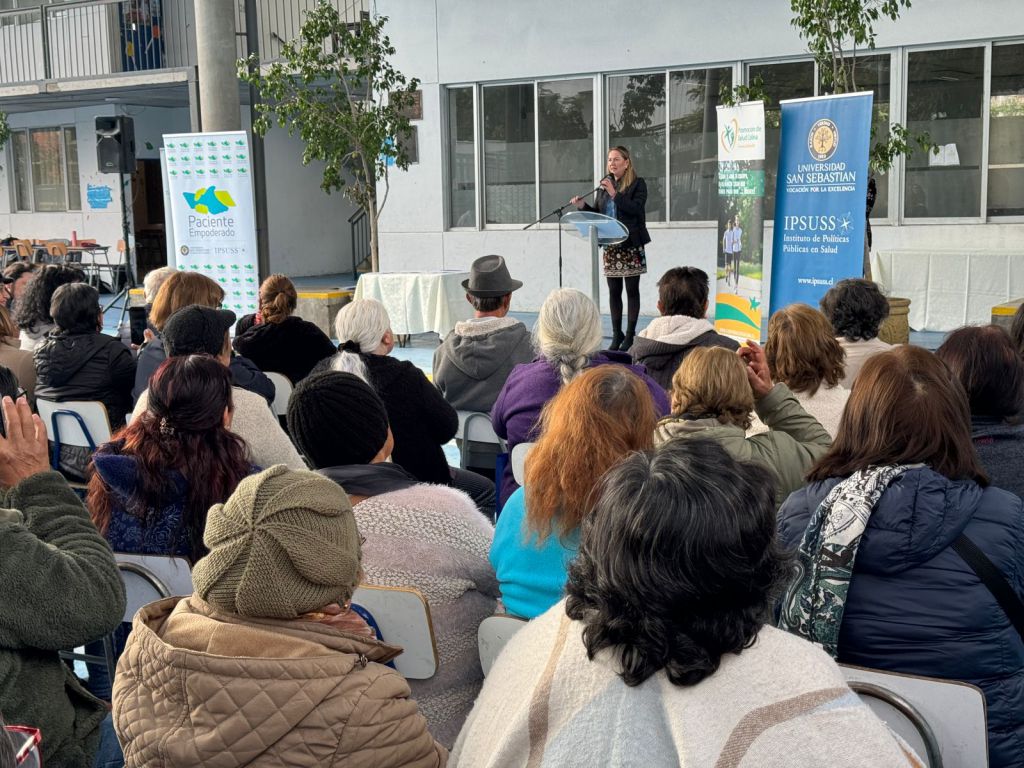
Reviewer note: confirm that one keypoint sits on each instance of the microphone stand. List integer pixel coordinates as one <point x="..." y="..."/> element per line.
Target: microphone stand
<point x="558" y="212"/>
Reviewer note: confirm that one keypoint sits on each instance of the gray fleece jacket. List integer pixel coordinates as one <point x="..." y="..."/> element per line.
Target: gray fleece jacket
<point x="471" y="365"/>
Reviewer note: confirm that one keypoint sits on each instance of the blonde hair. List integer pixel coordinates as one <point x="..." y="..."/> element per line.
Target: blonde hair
<point x="180" y="290"/>
<point x="568" y="331"/>
<point x="277" y="298"/>
<point x="153" y="280"/>
<point x="630" y="175"/>
<point x="802" y="350"/>
<point x="363" y="322"/>
<point x="712" y="382"/>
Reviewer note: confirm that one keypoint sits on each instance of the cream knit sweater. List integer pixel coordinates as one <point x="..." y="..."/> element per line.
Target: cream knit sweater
<point x="433" y="538"/>
<point x="781" y="702"/>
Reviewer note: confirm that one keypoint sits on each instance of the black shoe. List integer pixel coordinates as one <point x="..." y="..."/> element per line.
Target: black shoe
<point x="627" y="342"/>
<point x="617" y="339"/>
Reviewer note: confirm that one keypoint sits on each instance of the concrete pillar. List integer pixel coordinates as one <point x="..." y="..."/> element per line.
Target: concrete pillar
<point x="220" y="106"/>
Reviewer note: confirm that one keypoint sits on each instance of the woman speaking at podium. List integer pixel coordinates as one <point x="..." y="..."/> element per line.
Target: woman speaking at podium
<point x="623" y="196"/>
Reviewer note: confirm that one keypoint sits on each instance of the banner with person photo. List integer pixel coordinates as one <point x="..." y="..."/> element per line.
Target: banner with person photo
<point x="820" y="196"/>
<point x="738" y="284"/>
<point x="213" y="224"/>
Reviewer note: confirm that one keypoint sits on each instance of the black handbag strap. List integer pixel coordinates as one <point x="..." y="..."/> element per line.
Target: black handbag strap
<point x="993" y="579"/>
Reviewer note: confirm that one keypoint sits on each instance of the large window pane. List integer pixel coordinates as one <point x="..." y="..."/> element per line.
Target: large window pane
<point x="945" y="91"/>
<point x="1006" y="132"/>
<point x="565" y="126"/>
<point x="48" y="189"/>
<point x="509" y="159"/>
<point x="794" y="80"/>
<point x="636" y="120"/>
<point x="22" y="176"/>
<point x="693" y="144"/>
<point x="873" y="73"/>
<point x="461" y="157"/>
<point x="71" y="167"/>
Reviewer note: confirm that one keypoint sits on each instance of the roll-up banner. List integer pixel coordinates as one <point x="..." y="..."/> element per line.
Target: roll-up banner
<point x="738" y="287"/>
<point x="214" y="225"/>
<point x="820" y="196"/>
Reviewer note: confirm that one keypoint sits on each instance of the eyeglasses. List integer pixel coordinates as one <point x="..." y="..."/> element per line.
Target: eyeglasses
<point x="26" y="745"/>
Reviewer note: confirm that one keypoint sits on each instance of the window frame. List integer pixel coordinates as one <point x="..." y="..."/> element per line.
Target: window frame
<point x="1018" y="219"/>
<point x="27" y="132"/>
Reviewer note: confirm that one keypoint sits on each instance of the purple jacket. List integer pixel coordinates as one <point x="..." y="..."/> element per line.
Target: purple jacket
<point x="516" y="412"/>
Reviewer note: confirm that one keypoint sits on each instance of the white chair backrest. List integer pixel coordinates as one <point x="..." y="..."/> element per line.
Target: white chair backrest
<point x="282" y="391"/>
<point x="519" y="462"/>
<point x="952" y="714"/>
<point x="494" y="633"/>
<point x="403" y="617"/>
<point x="64" y="421"/>
<point x="148" y="578"/>
<point x="475" y="427"/>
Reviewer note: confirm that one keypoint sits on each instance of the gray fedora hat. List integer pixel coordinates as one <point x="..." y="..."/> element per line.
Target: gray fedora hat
<point x="489" y="277"/>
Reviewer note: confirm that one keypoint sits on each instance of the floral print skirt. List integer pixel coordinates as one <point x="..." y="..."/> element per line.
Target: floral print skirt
<point x="624" y="260"/>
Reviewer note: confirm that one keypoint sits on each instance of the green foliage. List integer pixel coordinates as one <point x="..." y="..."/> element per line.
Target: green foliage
<point x="899" y="142"/>
<point x="737" y="94"/>
<point x="5" y="130"/>
<point x="335" y="87"/>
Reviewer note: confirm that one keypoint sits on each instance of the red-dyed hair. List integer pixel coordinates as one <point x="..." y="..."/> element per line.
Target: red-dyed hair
<point x="594" y="421"/>
<point x="182" y="429"/>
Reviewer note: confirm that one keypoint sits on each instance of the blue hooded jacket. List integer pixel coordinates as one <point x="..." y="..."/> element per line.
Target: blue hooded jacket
<point x="914" y="606"/>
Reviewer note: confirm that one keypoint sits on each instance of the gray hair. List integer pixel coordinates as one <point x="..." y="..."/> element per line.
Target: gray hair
<point x="153" y="280"/>
<point x="568" y="331"/>
<point x="364" y="322"/>
<point x="350" y="362"/>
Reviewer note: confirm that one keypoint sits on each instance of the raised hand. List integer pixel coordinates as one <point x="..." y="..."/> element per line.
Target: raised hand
<point x="23" y="452"/>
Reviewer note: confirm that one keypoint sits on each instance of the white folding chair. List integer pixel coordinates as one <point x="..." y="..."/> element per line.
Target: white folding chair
<point x="148" y="578"/>
<point x="519" y="462"/>
<point x="475" y="427"/>
<point x="282" y="391"/>
<point x="74" y="422"/>
<point x="493" y="634"/>
<point x="942" y="720"/>
<point x="402" y="617"/>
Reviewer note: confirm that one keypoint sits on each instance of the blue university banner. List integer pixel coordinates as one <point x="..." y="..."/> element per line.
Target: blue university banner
<point x="820" y="196"/>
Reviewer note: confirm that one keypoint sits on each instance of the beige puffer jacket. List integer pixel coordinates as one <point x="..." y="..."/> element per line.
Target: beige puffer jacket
<point x="196" y="686"/>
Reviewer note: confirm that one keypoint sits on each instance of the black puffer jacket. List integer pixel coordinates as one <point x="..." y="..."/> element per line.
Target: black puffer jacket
<point x="90" y="366"/>
<point x="292" y="347"/>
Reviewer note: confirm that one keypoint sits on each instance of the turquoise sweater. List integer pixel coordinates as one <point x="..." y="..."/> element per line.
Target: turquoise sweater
<point x="531" y="574"/>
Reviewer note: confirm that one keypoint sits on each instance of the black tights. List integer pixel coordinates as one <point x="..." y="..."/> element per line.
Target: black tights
<point x="632" y="298"/>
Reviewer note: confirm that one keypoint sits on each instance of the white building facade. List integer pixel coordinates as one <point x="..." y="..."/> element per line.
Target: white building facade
<point x="521" y="101"/>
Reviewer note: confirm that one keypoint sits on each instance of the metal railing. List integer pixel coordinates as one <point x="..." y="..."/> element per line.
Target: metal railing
<point x="359" y="226"/>
<point x="91" y="38"/>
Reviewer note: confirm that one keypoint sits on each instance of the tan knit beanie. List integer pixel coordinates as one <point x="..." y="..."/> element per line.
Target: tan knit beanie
<point x="284" y="544"/>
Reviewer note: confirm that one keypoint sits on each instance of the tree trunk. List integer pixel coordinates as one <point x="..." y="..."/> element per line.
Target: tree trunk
<point x="371" y="213"/>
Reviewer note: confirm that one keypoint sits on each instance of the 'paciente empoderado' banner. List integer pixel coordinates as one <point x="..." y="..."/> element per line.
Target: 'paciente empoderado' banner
<point x="820" y="196"/>
<point x="210" y="184"/>
<point x="738" y="287"/>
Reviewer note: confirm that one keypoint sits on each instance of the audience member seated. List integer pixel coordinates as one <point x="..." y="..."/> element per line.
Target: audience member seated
<point x="198" y="330"/>
<point x="713" y="393"/>
<point x="662" y="653"/>
<point x="1017" y="329"/>
<point x="421" y="421"/>
<point x="151" y="285"/>
<point x="990" y="369"/>
<point x="33" y="313"/>
<point x="856" y="309"/>
<point x="472" y="363"/>
<point x="19" y="274"/>
<point x="682" y="326"/>
<point x="881" y="583"/>
<point x="280" y="341"/>
<point x="77" y="361"/>
<point x="265" y="664"/>
<point x="595" y="420"/>
<point x="803" y="354"/>
<point x="179" y="290"/>
<point x="568" y="339"/>
<point x="416" y="534"/>
<point x="60" y="588"/>
<point x="14" y="357"/>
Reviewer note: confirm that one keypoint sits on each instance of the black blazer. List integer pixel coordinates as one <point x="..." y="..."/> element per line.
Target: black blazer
<point x="630" y="209"/>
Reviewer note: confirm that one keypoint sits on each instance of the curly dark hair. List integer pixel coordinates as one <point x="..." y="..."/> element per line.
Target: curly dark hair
<point x="856" y="308"/>
<point x="34" y="308"/>
<point x="679" y="562"/>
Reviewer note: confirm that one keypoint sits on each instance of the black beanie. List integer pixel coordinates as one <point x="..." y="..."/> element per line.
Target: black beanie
<point x="336" y="419"/>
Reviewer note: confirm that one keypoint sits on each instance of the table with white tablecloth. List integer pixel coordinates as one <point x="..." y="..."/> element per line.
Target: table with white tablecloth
<point x="418" y="302"/>
<point x="948" y="289"/>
